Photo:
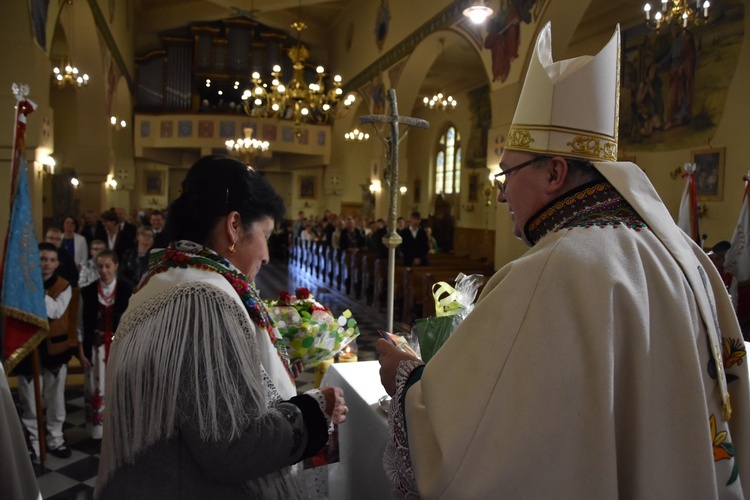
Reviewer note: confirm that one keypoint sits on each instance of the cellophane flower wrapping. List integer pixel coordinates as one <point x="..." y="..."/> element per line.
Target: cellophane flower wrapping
<point x="452" y="306"/>
<point x="311" y="332"/>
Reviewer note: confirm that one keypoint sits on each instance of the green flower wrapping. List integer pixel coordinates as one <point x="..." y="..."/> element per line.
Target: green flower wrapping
<point x="309" y="329"/>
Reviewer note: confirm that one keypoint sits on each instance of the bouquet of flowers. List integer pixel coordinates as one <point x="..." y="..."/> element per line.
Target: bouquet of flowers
<point x="310" y="330"/>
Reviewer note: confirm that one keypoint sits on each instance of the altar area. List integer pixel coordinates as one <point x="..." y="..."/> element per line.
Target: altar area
<point x="362" y="438"/>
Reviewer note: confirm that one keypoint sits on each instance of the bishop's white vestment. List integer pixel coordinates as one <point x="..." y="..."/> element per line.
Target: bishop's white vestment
<point x="588" y="368"/>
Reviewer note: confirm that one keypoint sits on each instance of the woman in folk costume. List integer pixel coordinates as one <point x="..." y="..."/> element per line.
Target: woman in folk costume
<point x="102" y="305"/>
<point x="606" y="362"/>
<point x="201" y="400"/>
<point x="74" y="243"/>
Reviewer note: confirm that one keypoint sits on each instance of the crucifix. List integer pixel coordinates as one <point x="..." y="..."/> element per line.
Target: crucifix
<point x="392" y="239"/>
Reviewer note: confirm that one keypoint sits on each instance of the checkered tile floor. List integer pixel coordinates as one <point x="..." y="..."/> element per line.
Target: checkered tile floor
<point x="74" y="477"/>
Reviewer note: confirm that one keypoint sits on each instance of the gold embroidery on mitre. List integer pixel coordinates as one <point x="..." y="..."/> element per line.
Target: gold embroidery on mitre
<point x="519" y="138"/>
<point x="594" y="148"/>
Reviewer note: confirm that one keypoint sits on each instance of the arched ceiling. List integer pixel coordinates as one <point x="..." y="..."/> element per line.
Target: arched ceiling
<point x="156" y="16"/>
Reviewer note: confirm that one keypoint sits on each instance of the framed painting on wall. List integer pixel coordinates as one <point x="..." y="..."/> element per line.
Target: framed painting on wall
<point x="154" y="182"/>
<point x="307" y="187"/>
<point x="709" y="173"/>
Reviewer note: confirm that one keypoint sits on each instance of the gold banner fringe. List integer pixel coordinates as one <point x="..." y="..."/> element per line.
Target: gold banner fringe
<point x="25" y="316"/>
<point x="20" y="353"/>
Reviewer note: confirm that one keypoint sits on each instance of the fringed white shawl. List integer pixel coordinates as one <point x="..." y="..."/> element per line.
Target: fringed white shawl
<point x="185" y="349"/>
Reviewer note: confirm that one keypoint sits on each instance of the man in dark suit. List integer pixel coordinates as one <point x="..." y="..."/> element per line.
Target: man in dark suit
<point x="161" y="238"/>
<point x="115" y="239"/>
<point x="416" y="245"/>
<point x="127" y="230"/>
<point x="92" y="228"/>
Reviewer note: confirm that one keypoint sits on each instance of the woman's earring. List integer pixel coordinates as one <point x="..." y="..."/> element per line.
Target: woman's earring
<point x="232" y="250"/>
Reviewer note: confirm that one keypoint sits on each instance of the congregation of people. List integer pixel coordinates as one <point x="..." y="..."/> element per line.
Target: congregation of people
<point x="90" y="268"/>
<point x="614" y="320"/>
<point x="345" y="233"/>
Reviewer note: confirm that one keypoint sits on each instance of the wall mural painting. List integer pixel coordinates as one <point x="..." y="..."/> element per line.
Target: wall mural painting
<point x="504" y="34"/>
<point x="481" y="119"/>
<point x="378" y="95"/>
<point x="39" y="10"/>
<point x="382" y="21"/>
<point x="675" y="82"/>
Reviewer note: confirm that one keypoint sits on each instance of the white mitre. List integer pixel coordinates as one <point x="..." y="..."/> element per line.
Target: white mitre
<point x="571" y="107"/>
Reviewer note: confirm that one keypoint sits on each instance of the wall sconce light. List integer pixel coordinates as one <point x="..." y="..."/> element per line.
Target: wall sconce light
<point x="488" y="193"/>
<point x="48" y="166"/>
<point x="403" y="190"/>
<point x="375" y="186"/>
<point x="75" y="182"/>
<point x="117" y="124"/>
<point x="111" y="182"/>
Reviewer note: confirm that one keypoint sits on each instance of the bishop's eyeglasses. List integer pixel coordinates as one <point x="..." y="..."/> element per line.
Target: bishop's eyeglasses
<point x="502" y="184"/>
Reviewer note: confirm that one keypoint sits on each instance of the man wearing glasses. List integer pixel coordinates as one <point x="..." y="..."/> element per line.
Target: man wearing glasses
<point x="606" y="362"/>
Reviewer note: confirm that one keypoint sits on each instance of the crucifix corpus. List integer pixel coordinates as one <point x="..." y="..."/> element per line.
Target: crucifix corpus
<point x="392" y="239"/>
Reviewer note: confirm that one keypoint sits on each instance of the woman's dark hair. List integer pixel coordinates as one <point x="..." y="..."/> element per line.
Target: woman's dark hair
<point x="110" y="215"/>
<point x="75" y="221"/>
<point x="214" y="187"/>
<point x="107" y="253"/>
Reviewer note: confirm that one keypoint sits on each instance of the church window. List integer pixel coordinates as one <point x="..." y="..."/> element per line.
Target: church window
<point x="448" y="163"/>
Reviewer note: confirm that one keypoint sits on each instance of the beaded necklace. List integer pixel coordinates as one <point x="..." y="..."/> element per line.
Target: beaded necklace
<point x="183" y="254"/>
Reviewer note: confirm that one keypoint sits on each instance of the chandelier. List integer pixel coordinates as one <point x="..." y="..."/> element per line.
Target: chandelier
<point x="356" y="135"/>
<point x="440" y="102"/>
<point x="296" y="99"/>
<point x="246" y="148"/>
<point x="677" y="12"/>
<point x="67" y="74"/>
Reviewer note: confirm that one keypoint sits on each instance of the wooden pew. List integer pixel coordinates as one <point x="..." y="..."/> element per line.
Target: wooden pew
<point x="327" y="265"/>
<point x="358" y="260"/>
<point x="414" y="279"/>
<point x="345" y="262"/>
<point x="367" y="285"/>
<point x="380" y="284"/>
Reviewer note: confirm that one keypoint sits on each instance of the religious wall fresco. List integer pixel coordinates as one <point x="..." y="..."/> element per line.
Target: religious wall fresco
<point x="675" y="82"/>
<point x="504" y="33"/>
<point x="481" y="119"/>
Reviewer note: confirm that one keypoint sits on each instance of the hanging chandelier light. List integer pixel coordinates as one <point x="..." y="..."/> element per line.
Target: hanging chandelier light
<point x="677" y="12"/>
<point x="246" y="148"/>
<point x="296" y="99"/>
<point x="356" y="136"/>
<point x="440" y="100"/>
<point x="67" y="74"/>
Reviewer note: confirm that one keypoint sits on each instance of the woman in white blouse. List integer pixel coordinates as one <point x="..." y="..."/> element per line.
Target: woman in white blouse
<point x="74" y="243"/>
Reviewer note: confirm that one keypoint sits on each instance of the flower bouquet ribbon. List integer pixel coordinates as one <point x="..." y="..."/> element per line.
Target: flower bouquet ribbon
<point x="311" y="332"/>
<point x="452" y="305"/>
<point x="446" y="299"/>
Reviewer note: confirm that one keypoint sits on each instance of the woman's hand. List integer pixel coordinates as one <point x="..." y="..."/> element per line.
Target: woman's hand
<point x="390" y="357"/>
<point x="335" y="407"/>
<point x="297" y="368"/>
